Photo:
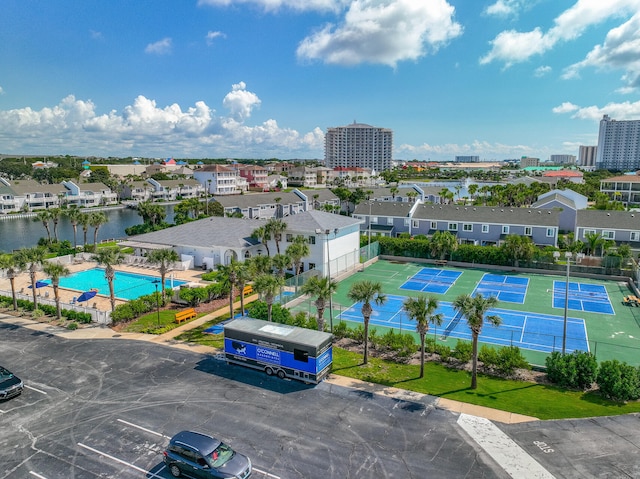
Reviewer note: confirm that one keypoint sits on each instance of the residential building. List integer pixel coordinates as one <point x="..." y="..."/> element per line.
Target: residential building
<point x="86" y="195"/>
<point x="563" y="159"/>
<point x="29" y="195"/>
<point x="567" y="202"/>
<point x="171" y="190"/>
<point x="623" y="227"/>
<point x="303" y="176"/>
<point x="255" y="175"/>
<point x="218" y="180"/>
<point x="467" y="159"/>
<point x="572" y="176"/>
<point x="625" y="188"/>
<point x="526" y="161"/>
<point x="384" y="218"/>
<point x="618" y="145"/>
<point x="359" y="145"/>
<point x="263" y="206"/>
<point x="587" y="157"/>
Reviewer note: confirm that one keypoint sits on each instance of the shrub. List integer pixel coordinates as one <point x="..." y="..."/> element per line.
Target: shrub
<point x="210" y="276"/>
<point x="577" y="370"/>
<point x="443" y="351"/>
<point x="37" y="313"/>
<point x="122" y="313"/>
<point x="429" y="345"/>
<point x="505" y="360"/>
<point x="488" y="356"/>
<point x="72" y="326"/>
<point x="463" y="351"/>
<point x="619" y="381"/>
<point x="340" y="330"/>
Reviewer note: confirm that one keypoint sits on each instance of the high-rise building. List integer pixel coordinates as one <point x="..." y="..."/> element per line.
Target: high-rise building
<point x="618" y="145"/>
<point x="563" y="159"/>
<point x="587" y="157"/>
<point x="467" y="159"/>
<point x="527" y="161"/>
<point x="359" y="146"/>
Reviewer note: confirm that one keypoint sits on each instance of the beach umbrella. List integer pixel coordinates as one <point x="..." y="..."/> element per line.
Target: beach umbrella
<point x="40" y="284"/>
<point x="86" y="296"/>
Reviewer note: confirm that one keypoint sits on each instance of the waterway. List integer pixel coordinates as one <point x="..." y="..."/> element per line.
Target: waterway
<point x="25" y="232"/>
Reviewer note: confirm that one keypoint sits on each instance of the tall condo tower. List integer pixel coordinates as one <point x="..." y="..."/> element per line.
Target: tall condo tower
<point x="359" y="146"/>
<point x="618" y="145"/>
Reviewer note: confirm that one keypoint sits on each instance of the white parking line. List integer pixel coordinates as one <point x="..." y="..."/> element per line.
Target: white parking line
<point x="143" y="428"/>
<point x="37" y="475"/>
<point x="120" y="461"/>
<point x="265" y="473"/>
<point x="34" y="389"/>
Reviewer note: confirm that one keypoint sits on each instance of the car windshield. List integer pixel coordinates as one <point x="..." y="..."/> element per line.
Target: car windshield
<point x="4" y="374"/>
<point x="221" y="455"/>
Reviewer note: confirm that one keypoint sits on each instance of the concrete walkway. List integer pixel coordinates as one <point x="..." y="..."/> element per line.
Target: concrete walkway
<point x="168" y="338"/>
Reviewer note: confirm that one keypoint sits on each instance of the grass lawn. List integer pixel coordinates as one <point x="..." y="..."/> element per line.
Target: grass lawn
<point x="150" y="321"/>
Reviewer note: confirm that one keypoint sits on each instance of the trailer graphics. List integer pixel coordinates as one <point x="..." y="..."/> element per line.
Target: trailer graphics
<point x="283" y="350"/>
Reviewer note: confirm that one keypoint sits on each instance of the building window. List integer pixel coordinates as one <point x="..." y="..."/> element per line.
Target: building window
<point x="389" y="221"/>
<point x="505" y="230"/>
<point x="635" y="236"/>
<point x="589" y="232"/>
<point x="312" y="266"/>
<point x="434" y="225"/>
<point x="550" y="232"/>
<point x="528" y="231"/>
<point x="374" y="220"/>
<point x="609" y="235"/>
<point x="407" y="221"/>
<point x="452" y="227"/>
<point x="289" y="237"/>
<point x="467" y="227"/>
<point x="312" y="240"/>
<point x="485" y="228"/>
<point x="415" y="224"/>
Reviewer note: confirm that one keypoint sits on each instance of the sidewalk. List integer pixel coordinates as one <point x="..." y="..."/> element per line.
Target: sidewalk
<point x="103" y="332"/>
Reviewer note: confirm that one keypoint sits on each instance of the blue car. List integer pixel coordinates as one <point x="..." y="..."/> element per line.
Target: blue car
<point x="10" y="384"/>
<point x="197" y="455"/>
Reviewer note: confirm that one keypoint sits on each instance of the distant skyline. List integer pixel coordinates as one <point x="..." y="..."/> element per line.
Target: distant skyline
<point x="498" y="79"/>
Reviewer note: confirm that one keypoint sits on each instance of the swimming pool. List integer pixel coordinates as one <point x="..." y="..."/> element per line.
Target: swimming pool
<point x="126" y="285"/>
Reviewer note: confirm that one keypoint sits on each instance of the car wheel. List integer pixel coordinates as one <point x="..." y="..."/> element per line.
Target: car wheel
<point x="281" y="374"/>
<point x="175" y="470"/>
<point x="269" y="371"/>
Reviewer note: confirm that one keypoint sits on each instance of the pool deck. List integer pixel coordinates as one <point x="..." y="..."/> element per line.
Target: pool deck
<point x="100" y="302"/>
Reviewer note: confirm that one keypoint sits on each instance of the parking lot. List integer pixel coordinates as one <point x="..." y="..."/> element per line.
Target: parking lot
<point x="106" y="408"/>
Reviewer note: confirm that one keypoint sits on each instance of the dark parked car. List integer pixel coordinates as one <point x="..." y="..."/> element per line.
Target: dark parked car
<point x="10" y="385"/>
<point x="197" y="455"/>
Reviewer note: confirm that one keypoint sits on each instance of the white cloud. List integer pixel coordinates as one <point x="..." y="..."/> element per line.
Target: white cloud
<point x="542" y="71"/>
<point x="512" y="46"/>
<point x="240" y="102"/>
<point x="146" y="129"/>
<point x="96" y="35"/>
<point x="618" y="111"/>
<point x="504" y="8"/>
<point x="272" y="5"/>
<point x="383" y="31"/>
<point x="1" y="91"/>
<point x="620" y="50"/>
<point x="161" y="47"/>
<point x="566" y="107"/>
<point x="211" y="36"/>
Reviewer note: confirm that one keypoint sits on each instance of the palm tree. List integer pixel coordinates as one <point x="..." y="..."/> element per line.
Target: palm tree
<point x="268" y="286"/>
<point x="243" y="276"/>
<point x="55" y="214"/>
<point x="365" y="292"/>
<point x="296" y="251"/>
<point x="281" y="263"/>
<point x="260" y="265"/>
<point x="84" y="220"/>
<point x="96" y="220"/>
<point x="109" y="257"/>
<point x="263" y="235"/>
<point x="442" y="244"/>
<point x="44" y="217"/>
<point x="74" y="215"/>
<point x="276" y="227"/>
<point x="227" y="277"/>
<point x="12" y="269"/>
<point x="30" y="259"/>
<point x="164" y="258"/>
<point x="322" y="288"/>
<point x="474" y="309"/>
<point x="55" y="271"/>
<point x="422" y="310"/>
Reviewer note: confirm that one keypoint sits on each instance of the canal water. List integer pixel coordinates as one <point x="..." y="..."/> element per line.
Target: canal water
<point x="25" y="232"/>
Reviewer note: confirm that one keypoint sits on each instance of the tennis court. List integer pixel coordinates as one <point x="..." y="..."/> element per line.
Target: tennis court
<point x="592" y="298"/>
<point x="527" y="330"/>
<point x="432" y="280"/>
<point x="511" y="289"/>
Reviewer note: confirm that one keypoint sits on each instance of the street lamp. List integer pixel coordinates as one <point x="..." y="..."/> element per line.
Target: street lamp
<point x="568" y="255"/>
<point x="369" y="240"/>
<point x="326" y="233"/>
<point x="155" y="283"/>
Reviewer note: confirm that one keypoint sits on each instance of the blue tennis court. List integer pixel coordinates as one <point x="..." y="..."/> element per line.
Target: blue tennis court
<point x="511" y="289"/>
<point x="432" y="280"/>
<point x="534" y="331"/>
<point x="592" y="298"/>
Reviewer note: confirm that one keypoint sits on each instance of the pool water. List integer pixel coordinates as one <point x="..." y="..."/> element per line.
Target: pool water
<point x="126" y="285"/>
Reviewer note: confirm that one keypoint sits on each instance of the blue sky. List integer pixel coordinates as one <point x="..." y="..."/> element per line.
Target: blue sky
<point x="266" y="78"/>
